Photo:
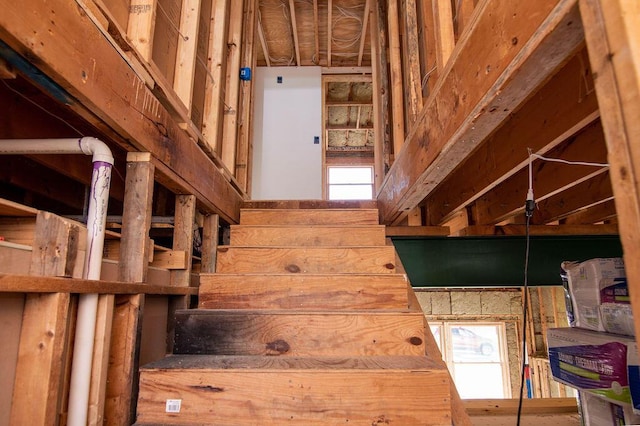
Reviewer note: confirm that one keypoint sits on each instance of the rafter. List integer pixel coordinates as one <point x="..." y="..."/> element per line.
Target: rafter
<point x="363" y="34"/>
<point x="316" y="32"/>
<point x="294" y="30"/>
<point x="593" y="214"/>
<point x="329" y="30"/>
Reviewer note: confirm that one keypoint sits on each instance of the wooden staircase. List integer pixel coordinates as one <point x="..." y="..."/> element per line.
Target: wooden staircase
<point x="307" y="321"/>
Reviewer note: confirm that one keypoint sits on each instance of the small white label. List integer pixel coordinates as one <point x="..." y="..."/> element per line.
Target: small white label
<point x="173" y="405"/>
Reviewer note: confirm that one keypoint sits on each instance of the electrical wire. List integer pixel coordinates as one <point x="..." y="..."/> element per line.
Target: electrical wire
<point x="525" y="304"/>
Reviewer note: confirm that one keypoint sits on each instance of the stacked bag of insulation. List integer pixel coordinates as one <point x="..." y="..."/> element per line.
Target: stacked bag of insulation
<point x="598" y="353"/>
<point x="597" y="295"/>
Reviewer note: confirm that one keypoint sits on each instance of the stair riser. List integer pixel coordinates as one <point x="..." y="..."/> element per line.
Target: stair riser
<point x="240" y="260"/>
<point x="223" y="397"/>
<point x="295" y="291"/>
<point x="309" y="217"/>
<point x="316" y="236"/>
<point x="310" y="334"/>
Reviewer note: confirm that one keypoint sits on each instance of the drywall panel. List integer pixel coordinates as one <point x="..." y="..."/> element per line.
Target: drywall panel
<point x="287" y="164"/>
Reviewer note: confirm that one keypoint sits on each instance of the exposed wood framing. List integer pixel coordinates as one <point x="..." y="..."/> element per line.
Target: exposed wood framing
<point x="539" y="230"/>
<point x="443" y="27"/>
<point x="329" y="30"/>
<point x="131" y="111"/>
<point x="316" y="32"/>
<point x="37" y="393"/>
<point x="210" y="238"/>
<point x="100" y="361"/>
<point x="245" y="106"/>
<point x="231" y="93"/>
<point x="380" y="100"/>
<point x="263" y="43"/>
<point x="183" y="236"/>
<point x="363" y="33"/>
<point x="596" y="213"/>
<point x="294" y="26"/>
<point x="187" y="44"/>
<point x="395" y="64"/>
<point x="469" y="104"/>
<point x="411" y="49"/>
<point x="141" y="23"/>
<point x="613" y="34"/>
<point x="136" y="222"/>
<point x="563" y="106"/>
<point x="214" y="106"/>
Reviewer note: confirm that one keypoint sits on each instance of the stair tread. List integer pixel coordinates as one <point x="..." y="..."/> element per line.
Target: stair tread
<point x="306" y="312"/>
<point x="292" y="363"/>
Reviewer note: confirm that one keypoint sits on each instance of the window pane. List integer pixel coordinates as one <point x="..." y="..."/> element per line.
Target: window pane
<point x="350" y="175"/>
<point x="350" y="192"/>
<point x="479" y="380"/>
<point x="475" y="343"/>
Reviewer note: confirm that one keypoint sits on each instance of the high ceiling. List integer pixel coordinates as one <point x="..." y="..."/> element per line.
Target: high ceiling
<point x="297" y="33"/>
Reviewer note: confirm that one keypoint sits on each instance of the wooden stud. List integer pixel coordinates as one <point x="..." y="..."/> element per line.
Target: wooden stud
<point x="363" y="33"/>
<point x="593" y="214"/>
<point x="490" y="96"/>
<point x="329" y="31"/>
<point x="316" y="32"/>
<point x="397" y="96"/>
<point x="37" y="392"/>
<point x="294" y="27"/>
<point x="231" y="92"/>
<point x="100" y="364"/>
<point x="187" y="46"/>
<point x="413" y="80"/>
<point x="210" y="238"/>
<point x="183" y="236"/>
<point x="612" y="34"/>
<point x="443" y="28"/>
<point x="141" y="24"/>
<point x="214" y="107"/>
<point x="121" y="392"/>
<point x="263" y="43"/>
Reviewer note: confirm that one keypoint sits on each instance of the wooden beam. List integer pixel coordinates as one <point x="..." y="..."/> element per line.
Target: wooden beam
<point x="413" y="80"/>
<point x="417" y="231"/>
<point x="37" y="393"/>
<point x="263" y="43"/>
<point x="294" y="29"/>
<point x="363" y="33"/>
<point x="316" y="32"/>
<point x="557" y="111"/>
<point x="612" y="34"/>
<point x="492" y="407"/>
<point x="187" y="45"/>
<point x="232" y="90"/>
<point x="596" y="213"/>
<point x="469" y="104"/>
<point x="329" y="30"/>
<point x="214" y="106"/>
<point x="395" y="66"/>
<point x="590" y="192"/>
<point x="131" y="114"/>
<point x="549" y="178"/>
<point x="136" y="222"/>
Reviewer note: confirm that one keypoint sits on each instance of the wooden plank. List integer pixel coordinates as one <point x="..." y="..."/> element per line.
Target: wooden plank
<point x="363" y="33"/>
<point x="11" y="208"/>
<point x="244" y="155"/>
<point x="140" y="27"/>
<point x="11" y="311"/>
<point x="395" y="73"/>
<point x="444" y="35"/>
<point x="309" y="217"/>
<point x="210" y="238"/>
<point x="379" y="59"/>
<point x="14" y="258"/>
<point x="164" y="49"/>
<point x="171" y="259"/>
<point x="307" y="235"/>
<point x="11" y="283"/>
<point x="132" y="112"/>
<point x="550" y="33"/>
<point x="310" y="204"/>
<point x="214" y="98"/>
<point x="294" y="30"/>
<point x="329" y="30"/>
<point x="332" y="388"/>
<point x="612" y="40"/>
<point x="37" y="392"/>
<point x="596" y="213"/>
<point x="187" y="46"/>
<point x="295" y="291"/>
<point x="549" y="178"/>
<point x="417" y="231"/>
<point x="201" y="72"/>
<point x="100" y="364"/>
<point x="232" y="87"/>
<point x="185" y="212"/>
<point x="462" y="17"/>
<point x="480" y="407"/>
<point x="133" y="266"/>
<point x="263" y="43"/>
<point x="18" y="230"/>
<point x="539" y="230"/>
<point x="413" y="80"/>
<point x="299" y="333"/>
<point x="306" y="260"/>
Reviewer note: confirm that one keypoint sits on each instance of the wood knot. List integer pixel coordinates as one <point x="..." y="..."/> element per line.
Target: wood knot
<point x="294" y="269"/>
<point x="278" y="347"/>
<point x="223" y="249"/>
<point x="390" y="266"/>
<point x="416" y="341"/>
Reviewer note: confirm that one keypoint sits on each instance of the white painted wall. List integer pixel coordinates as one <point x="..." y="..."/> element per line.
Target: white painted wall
<point x="287" y="165"/>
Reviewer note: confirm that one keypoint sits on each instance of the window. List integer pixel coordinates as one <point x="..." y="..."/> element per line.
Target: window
<point x="350" y="183"/>
<point x="476" y="356"/>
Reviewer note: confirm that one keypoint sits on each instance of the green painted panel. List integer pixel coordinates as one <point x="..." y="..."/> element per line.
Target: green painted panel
<point x="496" y="261"/>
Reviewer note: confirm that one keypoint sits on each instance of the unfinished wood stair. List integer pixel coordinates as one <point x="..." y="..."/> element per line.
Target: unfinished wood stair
<point x="307" y="321"/>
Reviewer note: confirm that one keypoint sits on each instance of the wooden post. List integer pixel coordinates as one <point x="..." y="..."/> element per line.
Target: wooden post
<point x="210" y="236"/>
<point x="183" y="236"/>
<point x="187" y="46"/>
<point x="443" y="27"/>
<point x="231" y="93"/>
<point x="245" y="105"/>
<point x="612" y="32"/>
<point x="214" y="97"/>
<point x="121" y="391"/>
<point x="37" y="392"/>
<point x="411" y="52"/>
<point x="378" y="72"/>
<point x="397" y="98"/>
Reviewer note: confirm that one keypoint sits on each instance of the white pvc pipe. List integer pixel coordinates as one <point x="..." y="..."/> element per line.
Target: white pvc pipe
<point x="96" y="222"/>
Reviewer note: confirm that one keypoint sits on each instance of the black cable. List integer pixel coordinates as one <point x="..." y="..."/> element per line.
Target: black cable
<point x="530" y="206"/>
